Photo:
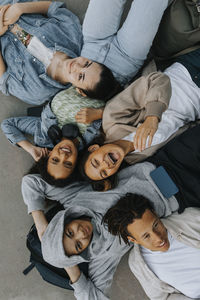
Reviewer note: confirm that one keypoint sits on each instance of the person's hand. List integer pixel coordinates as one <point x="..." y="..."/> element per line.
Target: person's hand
<point x="12" y="14"/>
<point x="38" y="152"/>
<point x="147" y="129"/>
<point x="87" y="115"/>
<point x="3" y="27"/>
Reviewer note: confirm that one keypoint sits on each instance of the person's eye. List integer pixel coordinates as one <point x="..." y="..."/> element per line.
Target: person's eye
<point x="70" y="232"/>
<point x="86" y="64"/>
<point x="80" y="76"/>
<point x="147" y="236"/>
<point x="79" y="246"/>
<point x="68" y="164"/>
<point x="96" y="162"/>
<point x="55" y="159"/>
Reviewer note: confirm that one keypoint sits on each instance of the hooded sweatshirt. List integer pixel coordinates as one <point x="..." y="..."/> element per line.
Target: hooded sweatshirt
<point x="103" y="253"/>
<point x="133" y="179"/>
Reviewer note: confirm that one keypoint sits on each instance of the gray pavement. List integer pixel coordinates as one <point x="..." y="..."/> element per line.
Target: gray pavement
<point x="15" y="223"/>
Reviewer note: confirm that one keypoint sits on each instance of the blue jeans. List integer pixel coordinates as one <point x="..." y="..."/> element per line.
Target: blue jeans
<point x="122" y="50"/>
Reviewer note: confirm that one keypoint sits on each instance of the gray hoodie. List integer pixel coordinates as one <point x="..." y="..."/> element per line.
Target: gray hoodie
<point x="134" y="179"/>
<point x="103" y="253"/>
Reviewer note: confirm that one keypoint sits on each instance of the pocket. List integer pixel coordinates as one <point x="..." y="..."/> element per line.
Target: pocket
<point x="46" y="21"/>
<point x="14" y="62"/>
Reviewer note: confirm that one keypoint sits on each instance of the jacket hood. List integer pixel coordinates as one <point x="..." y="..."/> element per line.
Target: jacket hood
<point x="52" y="240"/>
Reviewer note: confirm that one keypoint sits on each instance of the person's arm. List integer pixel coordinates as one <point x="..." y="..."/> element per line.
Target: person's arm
<point x="15" y="128"/>
<point x="3" y="29"/>
<point x="33" y="193"/>
<point x="148" y="96"/>
<point x="14" y="11"/>
<point x="34" y="151"/>
<point x="35" y="190"/>
<point x="73" y="272"/>
<point x="146" y="130"/>
<point x="87" y="115"/>
<point x="98" y="283"/>
<point x="40" y="222"/>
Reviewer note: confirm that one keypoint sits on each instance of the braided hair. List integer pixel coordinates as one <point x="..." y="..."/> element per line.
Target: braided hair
<point x="124" y="212"/>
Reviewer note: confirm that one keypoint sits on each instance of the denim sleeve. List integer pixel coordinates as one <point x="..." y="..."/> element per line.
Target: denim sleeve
<point x="15" y="128"/>
<point x="58" y="10"/>
<point x="3" y="82"/>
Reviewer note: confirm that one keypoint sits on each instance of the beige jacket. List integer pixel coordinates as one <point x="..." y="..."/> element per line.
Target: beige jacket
<point x="147" y="96"/>
<point x="184" y="227"/>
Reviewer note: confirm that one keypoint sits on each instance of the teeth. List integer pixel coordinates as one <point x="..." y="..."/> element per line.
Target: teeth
<point x="162" y="244"/>
<point x="65" y="150"/>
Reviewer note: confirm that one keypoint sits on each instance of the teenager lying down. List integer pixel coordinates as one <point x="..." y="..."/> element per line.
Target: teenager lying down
<point x="56" y="162"/>
<point x="165" y="257"/>
<point x="182" y="166"/>
<point x="148" y="113"/>
<point x="76" y="235"/>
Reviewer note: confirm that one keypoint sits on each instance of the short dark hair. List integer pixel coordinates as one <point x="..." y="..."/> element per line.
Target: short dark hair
<point x="40" y="167"/>
<point x="106" y="88"/>
<point x="124" y="212"/>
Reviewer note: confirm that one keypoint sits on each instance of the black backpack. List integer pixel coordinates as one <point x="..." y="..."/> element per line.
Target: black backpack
<point x="49" y="273"/>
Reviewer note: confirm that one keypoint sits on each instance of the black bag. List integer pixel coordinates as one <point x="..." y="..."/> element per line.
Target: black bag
<point x="179" y="30"/>
<point x="49" y="273"/>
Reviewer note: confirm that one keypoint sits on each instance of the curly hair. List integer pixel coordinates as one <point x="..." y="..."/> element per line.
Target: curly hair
<point x="124" y="212"/>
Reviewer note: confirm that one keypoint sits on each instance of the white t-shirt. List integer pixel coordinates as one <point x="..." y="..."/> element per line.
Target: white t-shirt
<point x="184" y="105"/>
<point x="178" y="267"/>
<point x="40" y="51"/>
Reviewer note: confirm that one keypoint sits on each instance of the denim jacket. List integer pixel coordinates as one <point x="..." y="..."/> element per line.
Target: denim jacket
<point x="15" y="128"/>
<point x="25" y="76"/>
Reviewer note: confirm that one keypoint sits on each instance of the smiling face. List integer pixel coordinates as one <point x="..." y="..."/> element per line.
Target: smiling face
<point x="103" y="161"/>
<point x="77" y="236"/>
<point x="62" y="159"/>
<point x="149" y="232"/>
<point x="83" y="73"/>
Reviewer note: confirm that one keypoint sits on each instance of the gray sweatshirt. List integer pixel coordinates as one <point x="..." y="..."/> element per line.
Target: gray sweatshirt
<point x="134" y="179"/>
<point x="103" y="253"/>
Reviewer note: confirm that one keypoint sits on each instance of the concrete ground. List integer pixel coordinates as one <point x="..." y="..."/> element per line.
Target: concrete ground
<point x="15" y="223"/>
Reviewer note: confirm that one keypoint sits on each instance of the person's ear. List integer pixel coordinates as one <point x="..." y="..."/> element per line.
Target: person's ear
<point x="132" y="240"/>
<point x="81" y="92"/>
<point x="93" y="148"/>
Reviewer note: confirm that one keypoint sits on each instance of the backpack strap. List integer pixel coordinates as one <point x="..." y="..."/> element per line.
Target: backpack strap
<point x="28" y="269"/>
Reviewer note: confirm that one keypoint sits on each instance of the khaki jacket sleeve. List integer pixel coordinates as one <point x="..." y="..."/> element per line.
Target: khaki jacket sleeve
<point x="158" y="94"/>
<point x="147" y="96"/>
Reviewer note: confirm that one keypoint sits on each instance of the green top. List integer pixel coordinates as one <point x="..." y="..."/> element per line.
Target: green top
<point x="67" y="103"/>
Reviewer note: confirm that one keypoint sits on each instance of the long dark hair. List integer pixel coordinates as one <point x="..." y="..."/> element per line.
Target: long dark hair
<point x="40" y="167"/>
<point x="70" y="131"/>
